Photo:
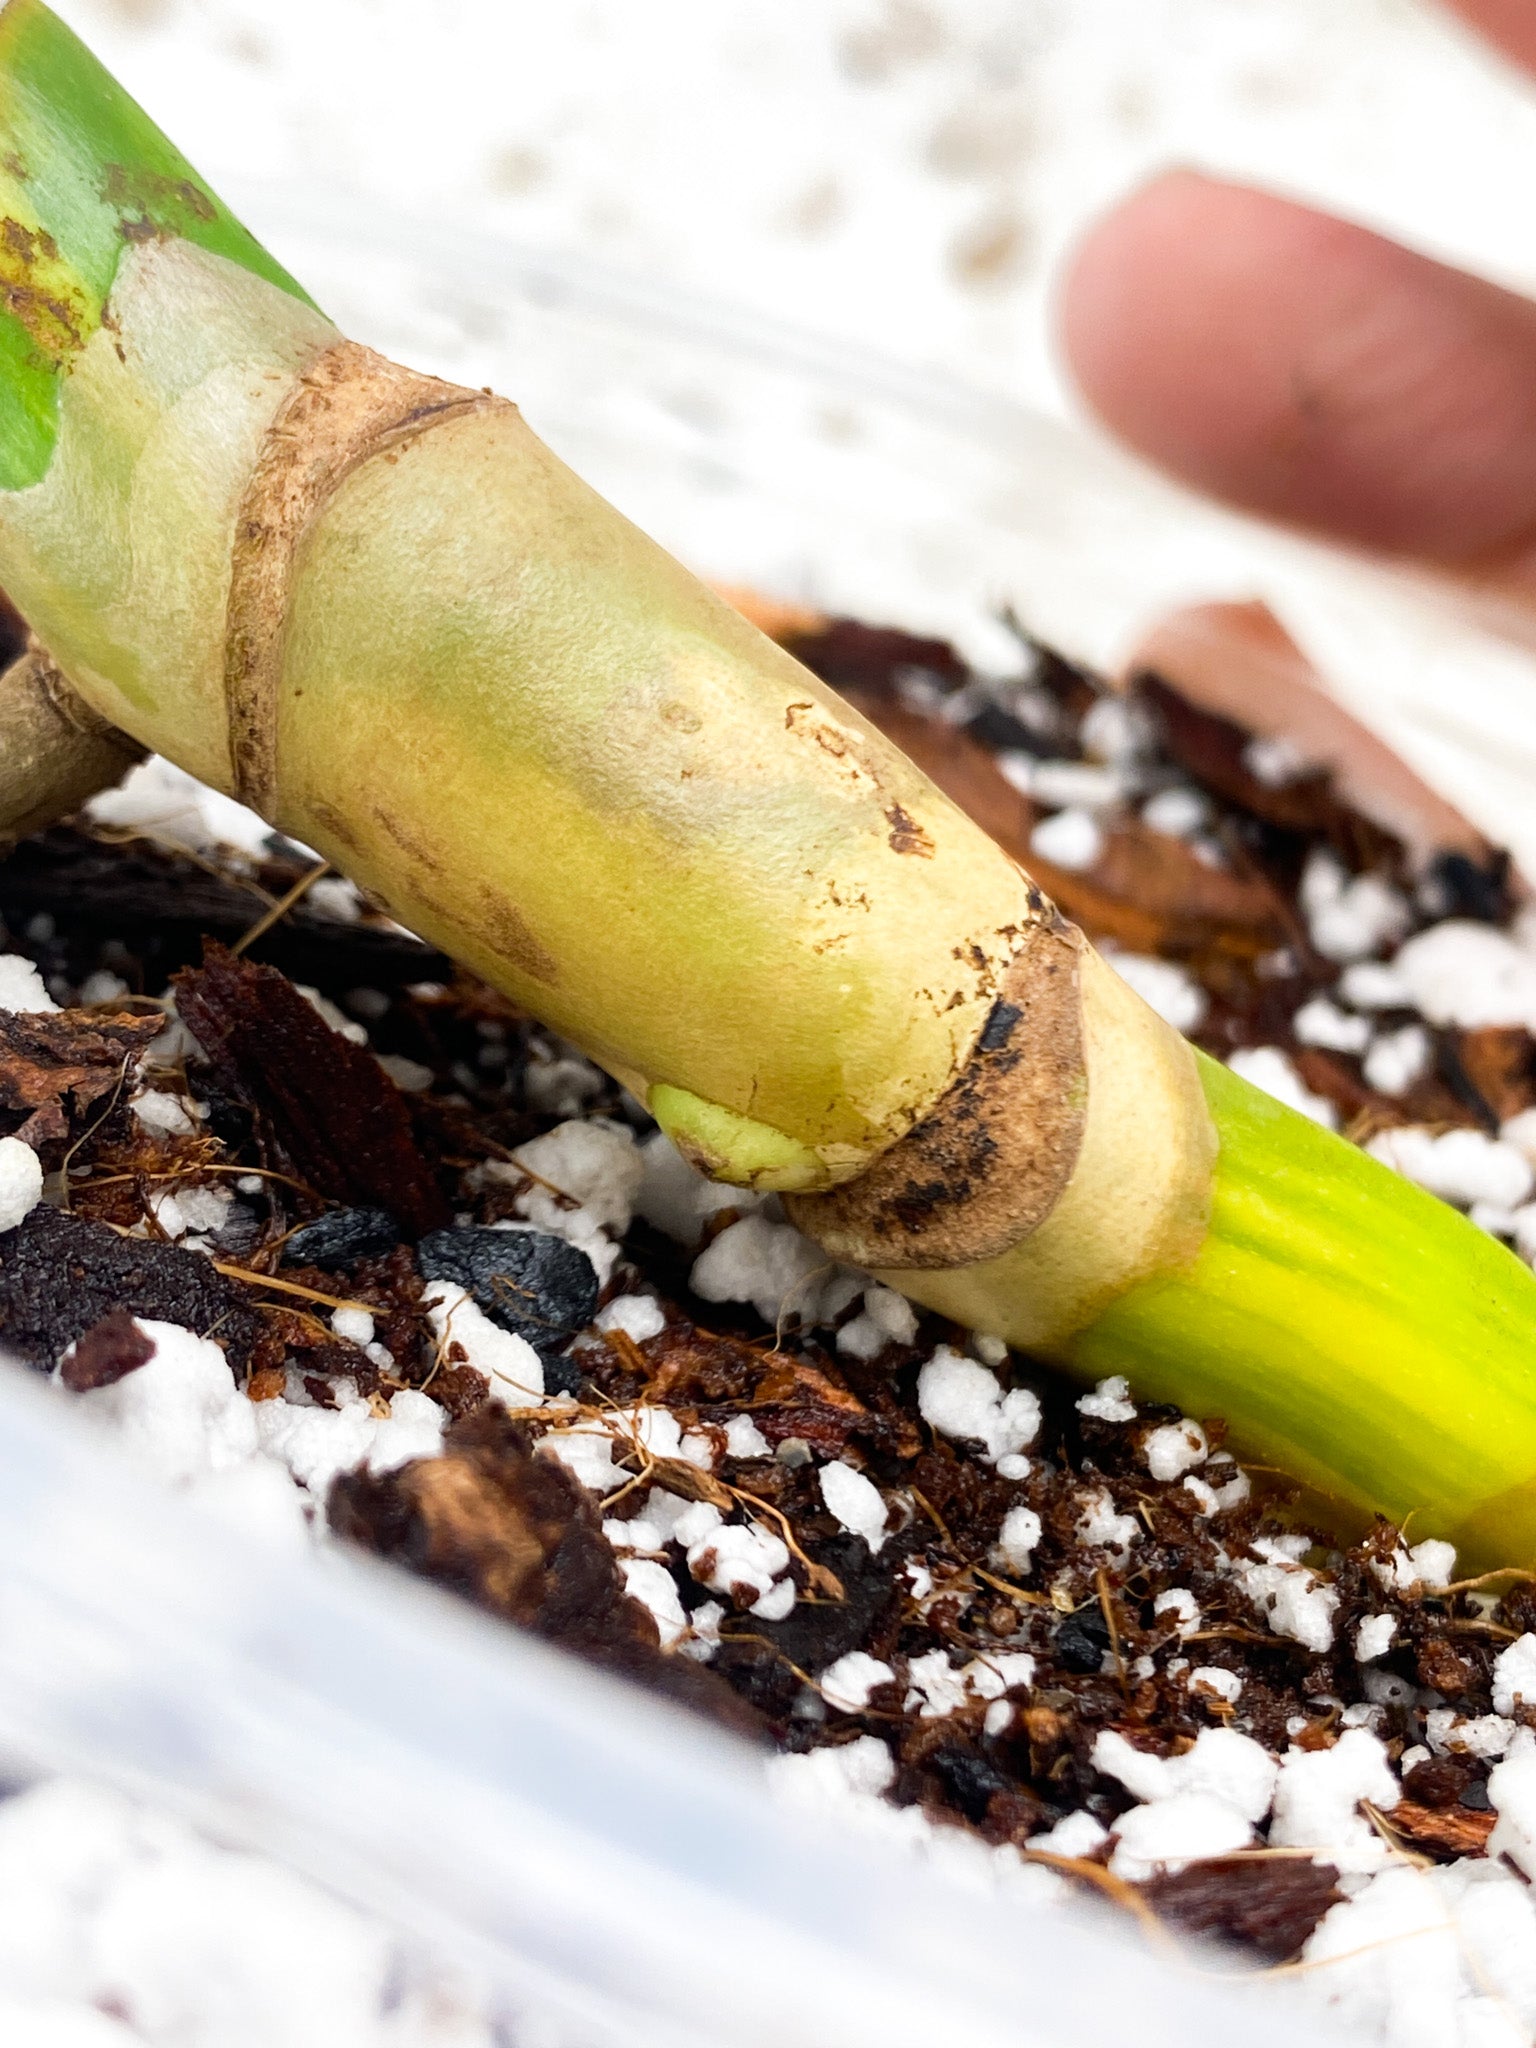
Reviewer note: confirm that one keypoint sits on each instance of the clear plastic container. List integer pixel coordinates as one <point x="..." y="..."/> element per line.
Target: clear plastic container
<point x="619" y="1872"/>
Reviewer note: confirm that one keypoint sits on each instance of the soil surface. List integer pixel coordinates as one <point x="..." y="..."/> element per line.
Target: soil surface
<point x="759" y="1503"/>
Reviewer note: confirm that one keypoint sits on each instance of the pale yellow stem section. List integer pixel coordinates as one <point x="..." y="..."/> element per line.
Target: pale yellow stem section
<point x="54" y="751"/>
<point x="540" y="739"/>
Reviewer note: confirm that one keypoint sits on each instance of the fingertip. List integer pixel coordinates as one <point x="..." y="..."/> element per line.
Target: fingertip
<point x="1306" y="369"/>
<point x="1102" y="317"/>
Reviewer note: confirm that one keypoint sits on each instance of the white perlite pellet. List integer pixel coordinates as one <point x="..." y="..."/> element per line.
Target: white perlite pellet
<point x="21" y="986"/>
<point x="1267" y="1067"/>
<point x="856" y="1502"/>
<point x="1469" y="975"/>
<point x="1295" y="1601"/>
<point x="1349" y="918"/>
<point x="510" y="1363"/>
<point x="1398" y="1059"/>
<point x="1016" y="1540"/>
<point x="781" y="1273"/>
<point x="1110" y="1401"/>
<point x="1274" y="760"/>
<point x="1179" y="812"/>
<point x="1071" y="840"/>
<point x="1318" y="1795"/>
<point x="962" y="1399"/>
<point x="848" y="1683"/>
<point x="353" y="1324"/>
<point x="1175" y="1449"/>
<point x="1459" y="1166"/>
<point x="1320" y="1022"/>
<point x="1064" y="785"/>
<point x="1514" y="1676"/>
<point x="21" y="1182"/>
<point x="1182" y="1605"/>
<point x="1218" y="1683"/>
<point x="1163" y="986"/>
<point x="639" y="1316"/>
<point x="1512" y="1794"/>
<point x="677" y="1199"/>
<point x="1373" y="1638"/>
<point x="1172" y="1833"/>
<point x="743" y="1439"/>
<point x="887" y="1318"/>
<point x="1451" y="1734"/>
<point x="649" y="1582"/>
<point x="1429" y="1563"/>
<point x="1100" y="1526"/>
<point x="158" y="1110"/>
<point x="738" y="1559"/>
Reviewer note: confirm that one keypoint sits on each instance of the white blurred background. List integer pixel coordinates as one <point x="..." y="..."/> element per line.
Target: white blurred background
<point x="902" y="173"/>
<point x="776" y="274"/>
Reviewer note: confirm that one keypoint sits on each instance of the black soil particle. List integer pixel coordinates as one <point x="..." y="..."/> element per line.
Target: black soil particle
<point x="1082" y="1639"/>
<point x="537" y="1286"/>
<point x="60" y="1276"/>
<point x="339" y="1238"/>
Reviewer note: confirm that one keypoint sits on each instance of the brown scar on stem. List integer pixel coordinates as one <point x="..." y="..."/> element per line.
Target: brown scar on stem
<point x="408" y="841"/>
<point x="147" y="189"/>
<point x="55" y="322"/>
<point x="513" y="938"/>
<point x="989" y="1164"/>
<point x="907" y="836"/>
<point x="812" y="721"/>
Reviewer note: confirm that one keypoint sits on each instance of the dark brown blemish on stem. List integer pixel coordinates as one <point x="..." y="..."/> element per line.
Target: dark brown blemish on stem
<point x="907" y="836"/>
<point x="408" y="841"/>
<point x="154" y="192"/>
<point x="55" y="321"/>
<point x="509" y="932"/>
<point x="994" y="1156"/>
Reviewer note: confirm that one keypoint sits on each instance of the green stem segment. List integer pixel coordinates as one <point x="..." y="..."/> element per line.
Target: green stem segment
<point x="85" y="175"/>
<point x="1355" y="1331"/>
<point x="473" y="685"/>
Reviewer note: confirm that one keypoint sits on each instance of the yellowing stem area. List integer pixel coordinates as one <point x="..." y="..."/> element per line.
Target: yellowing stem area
<point x="553" y="751"/>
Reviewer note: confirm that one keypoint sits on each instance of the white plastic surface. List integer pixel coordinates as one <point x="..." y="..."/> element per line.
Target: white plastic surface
<point x="617" y="1869"/>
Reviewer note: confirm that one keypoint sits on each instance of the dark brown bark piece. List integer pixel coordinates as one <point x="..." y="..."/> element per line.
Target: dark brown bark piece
<point x="515" y="1534"/>
<point x="1500" y="1063"/>
<point x="815" y="1633"/>
<point x="326" y="1105"/>
<point x="60" y="1276"/>
<point x="1213" y="750"/>
<point x="1147" y="891"/>
<point x="52" y="1057"/>
<point x="851" y="655"/>
<point x="1272" y="1903"/>
<point x="1443" y="1830"/>
<point x="161" y="905"/>
<point x="107" y="1353"/>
